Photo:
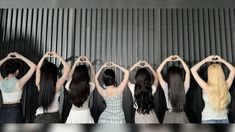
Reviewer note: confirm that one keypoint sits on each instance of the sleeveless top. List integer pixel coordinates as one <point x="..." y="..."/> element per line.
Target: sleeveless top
<point x="165" y="89"/>
<point x="113" y="113"/>
<point x="85" y="104"/>
<point x="209" y="113"/>
<point x="113" y="104"/>
<point x="11" y="92"/>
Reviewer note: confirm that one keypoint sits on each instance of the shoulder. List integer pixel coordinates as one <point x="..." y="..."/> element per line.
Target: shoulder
<point x="68" y="84"/>
<point x="154" y="89"/>
<point x="131" y="87"/>
<point x="92" y="86"/>
<point x="165" y="86"/>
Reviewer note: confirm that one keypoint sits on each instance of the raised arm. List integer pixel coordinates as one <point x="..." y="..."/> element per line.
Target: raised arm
<point x="153" y="72"/>
<point x="186" y="69"/>
<point x="230" y="78"/>
<point x="195" y="74"/>
<point x="38" y="69"/>
<point x="136" y="65"/>
<point x="125" y="80"/>
<point x="9" y="56"/>
<point x="63" y="78"/>
<point x="73" y="68"/>
<point x="27" y="76"/>
<point x="97" y="83"/>
<point x="91" y="68"/>
<point x="159" y="70"/>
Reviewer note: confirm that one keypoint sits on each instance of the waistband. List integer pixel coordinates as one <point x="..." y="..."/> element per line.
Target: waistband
<point x="11" y="105"/>
<point x="53" y="113"/>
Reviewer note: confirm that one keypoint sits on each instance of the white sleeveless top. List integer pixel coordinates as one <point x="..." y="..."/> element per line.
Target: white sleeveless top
<point x="165" y="89"/>
<point x="209" y="113"/>
<point x="11" y="92"/>
<point x="53" y="108"/>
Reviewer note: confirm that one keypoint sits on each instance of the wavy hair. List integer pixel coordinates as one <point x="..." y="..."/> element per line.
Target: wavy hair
<point x="143" y="91"/>
<point x="218" y="89"/>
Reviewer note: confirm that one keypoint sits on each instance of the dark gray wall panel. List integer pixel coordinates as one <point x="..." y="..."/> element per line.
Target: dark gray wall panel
<point x="123" y="36"/>
<point x="116" y="4"/>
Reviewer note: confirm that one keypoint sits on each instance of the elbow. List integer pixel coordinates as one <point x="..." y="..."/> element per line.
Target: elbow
<point x="158" y="71"/>
<point x="233" y="71"/>
<point x="193" y="71"/>
<point x="67" y="66"/>
<point x="127" y="73"/>
<point x="96" y="77"/>
<point x="33" y="67"/>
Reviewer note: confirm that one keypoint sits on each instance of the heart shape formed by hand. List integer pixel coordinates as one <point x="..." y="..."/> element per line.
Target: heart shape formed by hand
<point x="83" y="59"/>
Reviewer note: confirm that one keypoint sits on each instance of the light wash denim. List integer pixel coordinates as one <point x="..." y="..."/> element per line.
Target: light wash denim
<point x="225" y="121"/>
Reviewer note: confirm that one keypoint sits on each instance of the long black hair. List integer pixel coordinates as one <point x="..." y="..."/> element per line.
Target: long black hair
<point x="12" y="66"/>
<point x="109" y="77"/>
<point x="176" y="90"/>
<point x="79" y="86"/>
<point x="48" y="79"/>
<point x="143" y="91"/>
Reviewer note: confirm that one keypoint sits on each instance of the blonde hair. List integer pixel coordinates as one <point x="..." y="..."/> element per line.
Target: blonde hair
<point x="218" y="89"/>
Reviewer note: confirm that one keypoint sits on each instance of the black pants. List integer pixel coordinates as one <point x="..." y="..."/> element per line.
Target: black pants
<point x="48" y="118"/>
<point x="11" y="113"/>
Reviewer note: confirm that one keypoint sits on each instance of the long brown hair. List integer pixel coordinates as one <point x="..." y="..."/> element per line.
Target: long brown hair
<point x="79" y="86"/>
<point x="176" y="88"/>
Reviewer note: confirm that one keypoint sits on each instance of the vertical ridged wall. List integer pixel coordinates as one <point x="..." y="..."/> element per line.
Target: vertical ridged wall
<point x="123" y="36"/>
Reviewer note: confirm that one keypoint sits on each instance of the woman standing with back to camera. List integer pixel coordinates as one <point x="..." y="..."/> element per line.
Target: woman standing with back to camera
<point x="80" y="87"/>
<point x="113" y="113"/>
<point x="143" y="92"/>
<point x="12" y="88"/>
<point x="215" y="91"/>
<point x="49" y="87"/>
<point x="175" y="89"/>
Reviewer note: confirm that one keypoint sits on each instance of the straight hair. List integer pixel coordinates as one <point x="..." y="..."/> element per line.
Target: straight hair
<point x="48" y="79"/>
<point x="79" y="86"/>
<point x="176" y="88"/>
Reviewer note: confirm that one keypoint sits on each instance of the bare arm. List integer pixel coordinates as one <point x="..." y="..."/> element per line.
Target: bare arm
<point x="73" y="68"/>
<point x="97" y="83"/>
<point x="136" y="65"/>
<point x="123" y="84"/>
<point x="230" y="78"/>
<point x="28" y="75"/>
<point x="87" y="61"/>
<point x="195" y="74"/>
<point x="92" y="70"/>
<point x="38" y="69"/>
<point x="159" y="70"/>
<point x="63" y="78"/>
<point x="186" y="69"/>
<point x="3" y="61"/>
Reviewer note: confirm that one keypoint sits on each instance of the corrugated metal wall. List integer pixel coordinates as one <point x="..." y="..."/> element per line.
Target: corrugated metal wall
<point x="123" y="36"/>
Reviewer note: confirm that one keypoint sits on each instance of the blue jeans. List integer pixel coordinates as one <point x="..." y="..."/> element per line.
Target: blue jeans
<point x="224" y="121"/>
